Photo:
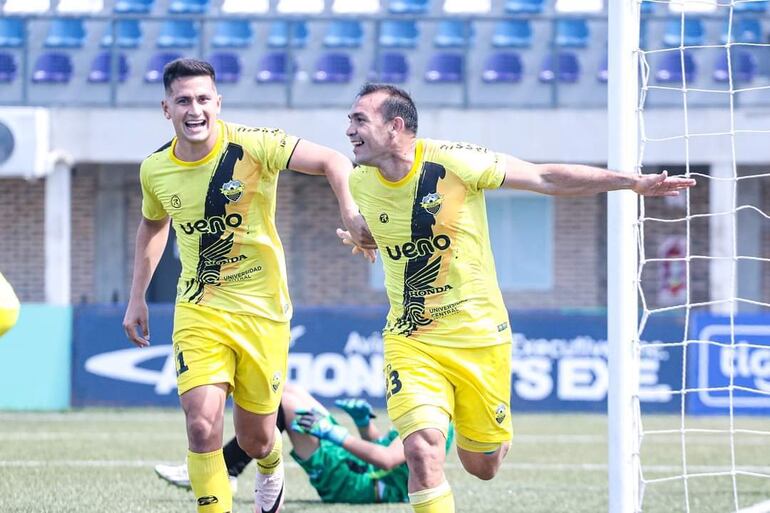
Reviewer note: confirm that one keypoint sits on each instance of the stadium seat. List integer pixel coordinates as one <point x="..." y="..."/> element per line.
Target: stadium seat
<point x="177" y="34"/>
<point x="564" y="68"/>
<point x="344" y="34"/>
<point x="279" y="34"/>
<point x="453" y="34"/>
<point x="743" y="64"/>
<point x="467" y="6"/>
<point x="154" y="72"/>
<point x="745" y="30"/>
<point x="524" y="6"/>
<point x="128" y="34"/>
<point x="227" y="67"/>
<point x="235" y="33"/>
<point x="334" y="68"/>
<point x="572" y="33"/>
<point x="65" y="33"/>
<point x="750" y="6"/>
<point x="7" y="68"/>
<point x="603" y="74"/>
<point x="647" y="7"/>
<point x="444" y="68"/>
<point x="52" y="68"/>
<point x="188" y="6"/>
<point x="409" y="6"/>
<point x="502" y="67"/>
<point x="579" y="6"/>
<point x="11" y="32"/>
<point x="101" y="68"/>
<point x="399" y="34"/>
<point x="133" y="6"/>
<point x="693" y="32"/>
<point x="669" y="69"/>
<point x="26" y="6"/>
<point x="512" y="34"/>
<point x="356" y="6"/>
<point x="274" y="68"/>
<point x="300" y="6"/>
<point x="80" y="6"/>
<point x="394" y="68"/>
<point x="245" y="7"/>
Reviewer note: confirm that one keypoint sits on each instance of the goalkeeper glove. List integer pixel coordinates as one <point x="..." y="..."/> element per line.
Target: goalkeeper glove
<point x="359" y="409"/>
<point x="315" y="423"/>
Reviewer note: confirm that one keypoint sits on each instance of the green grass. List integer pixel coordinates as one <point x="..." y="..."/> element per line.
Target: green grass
<point x="101" y="461"/>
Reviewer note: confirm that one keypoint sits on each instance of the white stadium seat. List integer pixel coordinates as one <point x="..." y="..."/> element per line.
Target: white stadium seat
<point x="80" y="6"/>
<point x="467" y="6"/>
<point x="245" y="6"/>
<point x="356" y="6"/>
<point x="579" y="6"/>
<point x="26" y="6"/>
<point x="300" y="6"/>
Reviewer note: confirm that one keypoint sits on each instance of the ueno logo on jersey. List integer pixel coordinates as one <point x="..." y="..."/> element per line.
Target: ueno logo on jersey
<point x="214" y="224"/>
<point x="420" y="247"/>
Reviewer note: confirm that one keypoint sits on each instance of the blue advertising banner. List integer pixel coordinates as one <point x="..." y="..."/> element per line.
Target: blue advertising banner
<point x="559" y="359"/>
<point x="729" y="363"/>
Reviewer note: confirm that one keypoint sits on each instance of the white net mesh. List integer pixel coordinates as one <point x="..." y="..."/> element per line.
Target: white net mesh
<point x="703" y="260"/>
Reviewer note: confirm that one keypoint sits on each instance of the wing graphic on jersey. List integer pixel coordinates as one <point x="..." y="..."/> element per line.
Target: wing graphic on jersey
<point x="423" y="278"/>
<point x="211" y="258"/>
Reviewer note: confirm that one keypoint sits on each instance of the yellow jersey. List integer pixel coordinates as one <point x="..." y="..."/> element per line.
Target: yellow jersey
<point x="222" y="209"/>
<point x="431" y="230"/>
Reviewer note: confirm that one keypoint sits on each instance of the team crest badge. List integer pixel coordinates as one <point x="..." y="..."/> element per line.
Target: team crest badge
<point x="432" y="202"/>
<point x="276" y="381"/>
<point x="233" y="190"/>
<point x="500" y="414"/>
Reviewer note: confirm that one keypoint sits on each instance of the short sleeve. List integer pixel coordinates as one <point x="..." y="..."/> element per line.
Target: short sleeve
<point x="477" y="166"/>
<point x="152" y="208"/>
<point x="271" y="146"/>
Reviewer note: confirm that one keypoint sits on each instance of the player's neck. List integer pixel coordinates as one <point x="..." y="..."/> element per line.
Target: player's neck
<point x="399" y="162"/>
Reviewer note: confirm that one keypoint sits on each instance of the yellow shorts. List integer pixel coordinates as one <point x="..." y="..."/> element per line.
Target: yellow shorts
<point x="472" y="385"/>
<point x="8" y="318"/>
<point x="247" y="352"/>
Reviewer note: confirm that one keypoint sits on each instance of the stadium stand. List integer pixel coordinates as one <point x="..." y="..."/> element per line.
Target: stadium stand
<point x="399" y="34"/>
<point x="743" y="66"/>
<point x="512" y="34"/>
<point x="101" y="68"/>
<point x="572" y="33"/>
<point x="453" y="34"/>
<point x="227" y="66"/>
<point x="52" y="68"/>
<point x="188" y="6"/>
<point x="467" y="6"/>
<point x="282" y="33"/>
<point x="26" y="6"/>
<point x="745" y="30"/>
<point x="444" y="67"/>
<point x="177" y="34"/>
<point x="128" y="34"/>
<point x="7" y="67"/>
<point x="356" y="6"/>
<point x="245" y="7"/>
<point x="565" y="67"/>
<point x="80" y="6"/>
<point x="503" y="67"/>
<point x="11" y="32"/>
<point x="274" y="67"/>
<point x="232" y="34"/>
<point x="669" y="69"/>
<point x="154" y="72"/>
<point x="693" y="33"/>
<point x="65" y="33"/>
<point x="344" y="34"/>
<point x="393" y="68"/>
<point x="333" y="67"/>
<point x="524" y="6"/>
<point x="300" y="6"/>
<point x="133" y="6"/>
<point x="409" y="6"/>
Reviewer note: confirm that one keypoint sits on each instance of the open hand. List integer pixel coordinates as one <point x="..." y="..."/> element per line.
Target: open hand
<point x="662" y="185"/>
<point x="347" y="239"/>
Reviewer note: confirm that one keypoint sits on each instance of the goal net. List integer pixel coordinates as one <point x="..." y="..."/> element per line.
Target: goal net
<point x="700" y="262"/>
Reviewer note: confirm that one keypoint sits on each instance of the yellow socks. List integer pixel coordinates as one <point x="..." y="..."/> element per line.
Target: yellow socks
<point x="209" y="481"/>
<point x="433" y="500"/>
<point x="270" y="463"/>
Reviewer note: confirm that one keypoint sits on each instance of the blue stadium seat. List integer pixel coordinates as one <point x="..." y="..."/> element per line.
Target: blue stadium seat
<point x="453" y="34"/>
<point x="565" y="68"/>
<point x="128" y="34"/>
<point x="232" y="34"/>
<point x="154" y="72"/>
<point x="394" y="68"/>
<point x="502" y="67"/>
<point x="647" y="7"/>
<point x="512" y="34"/>
<point x="603" y="74"/>
<point x="334" y="68"/>
<point x="279" y="34"/>
<point x="524" y="6"/>
<point x="177" y="34"/>
<point x="745" y="30"/>
<point x="65" y="33"/>
<point x="444" y="68"/>
<point x="101" y="68"/>
<point x="133" y="6"/>
<point x="751" y="6"/>
<point x="409" y="6"/>
<point x="669" y="69"/>
<point x="52" y="68"/>
<point x="743" y="64"/>
<point x="694" y="32"/>
<point x="227" y="67"/>
<point x="11" y="32"/>
<point x="188" y="6"/>
<point x="7" y="68"/>
<point x="399" y="34"/>
<point x="572" y="33"/>
<point x="274" y="68"/>
<point x="344" y="34"/>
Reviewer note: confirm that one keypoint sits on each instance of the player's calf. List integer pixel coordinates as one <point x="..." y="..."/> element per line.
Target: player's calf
<point x="480" y="459"/>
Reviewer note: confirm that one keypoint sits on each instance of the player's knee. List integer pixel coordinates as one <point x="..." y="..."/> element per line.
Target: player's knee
<point x="424" y="452"/>
<point x="255" y="447"/>
<point x="485" y="470"/>
<point x="202" y="433"/>
<point x="484" y="465"/>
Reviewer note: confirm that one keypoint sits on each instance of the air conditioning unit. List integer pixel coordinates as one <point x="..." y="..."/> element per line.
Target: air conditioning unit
<point x="25" y="142"/>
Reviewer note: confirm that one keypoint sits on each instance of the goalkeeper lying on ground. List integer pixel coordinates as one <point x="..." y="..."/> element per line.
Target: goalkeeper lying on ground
<point x="341" y="467"/>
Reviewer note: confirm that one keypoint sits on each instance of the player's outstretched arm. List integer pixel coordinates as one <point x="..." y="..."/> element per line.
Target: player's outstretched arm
<point x="151" y="240"/>
<point x="580" y="180"/>
<point x="314" y="159"/>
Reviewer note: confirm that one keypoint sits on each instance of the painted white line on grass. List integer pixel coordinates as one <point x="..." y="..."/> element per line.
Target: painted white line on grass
<point x="762" y="507"/>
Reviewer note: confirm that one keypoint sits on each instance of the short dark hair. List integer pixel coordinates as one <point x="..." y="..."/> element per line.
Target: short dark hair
<point x="185" y="67"/>
<point x="397" y="104"/>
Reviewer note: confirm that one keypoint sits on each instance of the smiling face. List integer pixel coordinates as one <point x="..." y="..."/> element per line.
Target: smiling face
<point x="372" y="137"/>
<point x="192" y="104"/>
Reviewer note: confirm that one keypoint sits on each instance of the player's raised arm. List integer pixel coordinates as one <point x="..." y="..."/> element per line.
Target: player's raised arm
<point x="151" y="238"/>
<point x="314" y="159"/>
<point x="581" y="180"/>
